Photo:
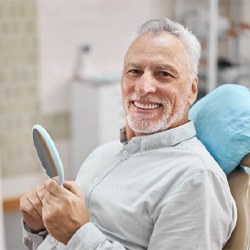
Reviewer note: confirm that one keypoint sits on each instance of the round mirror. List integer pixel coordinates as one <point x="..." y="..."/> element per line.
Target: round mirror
<point x="47" y="153"/>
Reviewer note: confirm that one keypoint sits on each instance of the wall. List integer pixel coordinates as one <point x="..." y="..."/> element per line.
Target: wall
<point x="65" y="25"/>
<point x="19" y="90"/>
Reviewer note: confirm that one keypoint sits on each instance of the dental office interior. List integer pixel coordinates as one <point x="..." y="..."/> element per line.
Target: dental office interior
<point x="61" y="63"/>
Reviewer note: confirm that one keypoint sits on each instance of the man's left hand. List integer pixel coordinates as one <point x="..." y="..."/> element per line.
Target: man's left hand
<point x="64" y="210"/>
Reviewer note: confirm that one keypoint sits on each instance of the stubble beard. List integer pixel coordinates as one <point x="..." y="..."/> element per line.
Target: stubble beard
<point x="142" y="124"/>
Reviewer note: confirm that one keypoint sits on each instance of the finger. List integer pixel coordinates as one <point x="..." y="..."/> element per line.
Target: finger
<point x="24" y="205"/>
<point x="27" y="207"/>
<point x="34" y="207"/>
<point x="38" y="206"/>
<point x="53" y="187"/>
<point x="53" y="192"/>
<point x="72" y="187"/>
<point x="28" y="218"/>
<point x="34" y="225"/>
<point x="35" y="198"/>
<point x="48" y="198"/>
<point x="41" y="192"/>
<point x="56" y="178"/>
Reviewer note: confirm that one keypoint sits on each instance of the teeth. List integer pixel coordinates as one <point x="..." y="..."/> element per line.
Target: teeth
<point x="146" y="106"/>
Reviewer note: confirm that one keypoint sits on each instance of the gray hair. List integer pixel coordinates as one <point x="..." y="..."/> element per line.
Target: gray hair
<point x="156" y="26"/>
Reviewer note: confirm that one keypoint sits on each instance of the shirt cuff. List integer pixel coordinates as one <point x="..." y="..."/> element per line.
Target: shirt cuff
<point x="31" y="240"/>
<point x="28" y="231"/>
<point x="86" y="237"/>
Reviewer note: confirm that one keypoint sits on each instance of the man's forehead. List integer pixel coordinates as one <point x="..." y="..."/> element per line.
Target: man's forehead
<point x="152" y="64"/>
<point x="165" y="37"/>
<point x="149" y="44"/>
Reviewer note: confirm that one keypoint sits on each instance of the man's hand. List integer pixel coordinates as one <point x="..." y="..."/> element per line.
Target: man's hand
<point x="64" y="210"/>
<point x="31" y="208"/>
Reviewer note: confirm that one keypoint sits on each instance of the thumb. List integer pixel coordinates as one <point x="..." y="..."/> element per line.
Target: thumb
<point x="73" y="188"/>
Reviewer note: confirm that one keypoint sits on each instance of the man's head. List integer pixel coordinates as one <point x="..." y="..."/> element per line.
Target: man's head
<point x="159" y="82"/>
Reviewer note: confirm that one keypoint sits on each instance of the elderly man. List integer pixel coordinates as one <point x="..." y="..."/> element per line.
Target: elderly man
<point x="158" y="188"/>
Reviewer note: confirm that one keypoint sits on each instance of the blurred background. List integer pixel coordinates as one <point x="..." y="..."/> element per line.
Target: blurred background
<point x="60" y="65"/>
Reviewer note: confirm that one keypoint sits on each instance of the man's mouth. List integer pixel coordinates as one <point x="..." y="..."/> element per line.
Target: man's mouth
<point x="146" y="106"/>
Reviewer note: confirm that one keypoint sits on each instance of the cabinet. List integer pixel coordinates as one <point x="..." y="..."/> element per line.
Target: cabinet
<point x="96" y="117"/>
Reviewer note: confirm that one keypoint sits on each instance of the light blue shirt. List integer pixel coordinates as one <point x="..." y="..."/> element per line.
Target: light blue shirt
<point x="161" y="191"/>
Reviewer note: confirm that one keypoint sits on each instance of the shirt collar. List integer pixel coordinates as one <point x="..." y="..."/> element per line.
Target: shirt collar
<point x="169" y="137"/>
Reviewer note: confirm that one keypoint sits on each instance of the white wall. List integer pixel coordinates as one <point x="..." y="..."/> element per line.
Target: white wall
<point x="64" y="25"/>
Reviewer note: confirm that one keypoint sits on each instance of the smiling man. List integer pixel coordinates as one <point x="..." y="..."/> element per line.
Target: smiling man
<point x="158" y="188"/>
<point x="157" y="85"/>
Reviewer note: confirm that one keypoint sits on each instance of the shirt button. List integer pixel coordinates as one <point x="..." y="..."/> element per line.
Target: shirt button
<point x="96" y="179"/>
<point x="125" y="152"/>
<point x="52" y="240"/>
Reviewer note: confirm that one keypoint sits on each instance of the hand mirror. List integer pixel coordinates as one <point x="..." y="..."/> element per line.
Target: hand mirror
<point x="47" y="153"/>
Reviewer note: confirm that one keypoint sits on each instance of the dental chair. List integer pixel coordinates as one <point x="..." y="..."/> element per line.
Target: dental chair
<point x="239" y="182"/>
<point x="222" y="122"/>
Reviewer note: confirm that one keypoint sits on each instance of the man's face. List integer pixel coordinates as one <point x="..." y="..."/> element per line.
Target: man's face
<point x="156" y="86"/>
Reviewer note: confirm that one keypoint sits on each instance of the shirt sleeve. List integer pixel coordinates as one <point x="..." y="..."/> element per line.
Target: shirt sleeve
<point x="87" y="237"/>
<point x="198" y="214"/>
<point x="31" y="240"/>
<point x="91" y="238"/>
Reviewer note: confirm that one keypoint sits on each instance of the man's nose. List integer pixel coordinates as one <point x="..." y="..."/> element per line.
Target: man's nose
<point x="145" y="84"/>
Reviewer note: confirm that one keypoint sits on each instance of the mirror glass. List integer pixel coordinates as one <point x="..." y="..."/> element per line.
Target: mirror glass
<point x="47" y="153"/>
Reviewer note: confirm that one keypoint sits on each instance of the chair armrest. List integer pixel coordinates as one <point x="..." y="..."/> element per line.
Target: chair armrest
<point x="239" y="183"/>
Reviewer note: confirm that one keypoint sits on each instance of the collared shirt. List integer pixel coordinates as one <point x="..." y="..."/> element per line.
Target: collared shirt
<point x="161" y="191"/>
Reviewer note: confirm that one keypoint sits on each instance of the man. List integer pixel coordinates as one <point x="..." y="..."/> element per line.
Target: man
<point x="157" y="189"/>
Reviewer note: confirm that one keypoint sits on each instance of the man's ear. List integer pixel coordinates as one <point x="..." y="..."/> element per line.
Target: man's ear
<point x="193" y="91"/>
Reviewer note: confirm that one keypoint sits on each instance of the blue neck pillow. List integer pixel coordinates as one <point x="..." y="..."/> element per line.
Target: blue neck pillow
<point x="222" y="122"/>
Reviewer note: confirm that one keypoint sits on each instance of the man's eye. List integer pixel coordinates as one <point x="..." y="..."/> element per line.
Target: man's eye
<point x="133" y="72"/>
<point x="163" y="74"/>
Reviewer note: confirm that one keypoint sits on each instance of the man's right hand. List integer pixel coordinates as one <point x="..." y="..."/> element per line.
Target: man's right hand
<point x="31" y="208"/>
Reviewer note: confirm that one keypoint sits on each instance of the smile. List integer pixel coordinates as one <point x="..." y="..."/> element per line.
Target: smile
<point x="146" y="106"/>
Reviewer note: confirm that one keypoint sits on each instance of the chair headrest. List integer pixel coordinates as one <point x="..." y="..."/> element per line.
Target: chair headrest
<point x="222" y="122"/>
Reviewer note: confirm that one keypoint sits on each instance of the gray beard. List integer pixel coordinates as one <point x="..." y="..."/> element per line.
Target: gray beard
<point x="142" y="125"/>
